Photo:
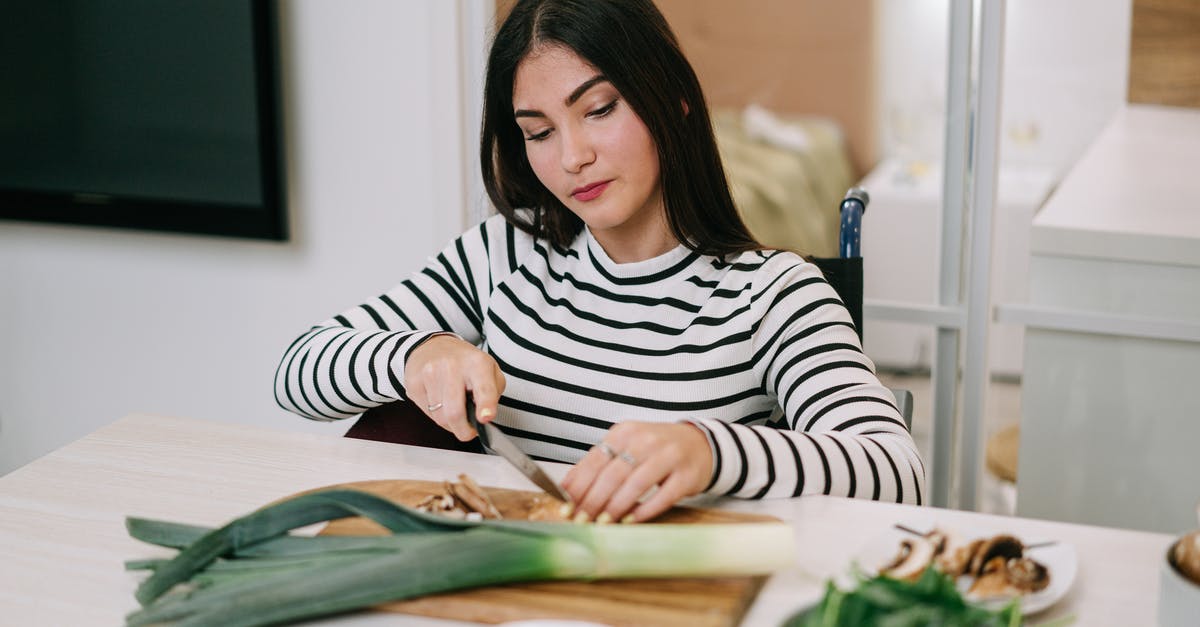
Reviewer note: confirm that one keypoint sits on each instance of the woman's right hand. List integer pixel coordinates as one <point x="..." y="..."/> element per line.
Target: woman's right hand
<point x="441" y="371"/>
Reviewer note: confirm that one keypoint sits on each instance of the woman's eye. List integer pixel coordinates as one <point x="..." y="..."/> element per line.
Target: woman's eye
<point x="605" y="110"/>
<point x="537" y="137"/>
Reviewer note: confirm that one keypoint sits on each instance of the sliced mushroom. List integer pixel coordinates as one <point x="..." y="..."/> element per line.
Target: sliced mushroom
<point x="1004" y="578"/>
<point x="939" y="539"/>
<point x="945" y="544"/>
<point x="447" y="500"/>
<point x="492" y="511"/>
<point x="1002" y="545"/>
<point x="992" y="581"/>
<point x="955" y="559"/>
<point x="470" y="493"/>
<point x="472" y="501"/>
<point x="914" y="557"/>
<point x="1027" y="575"/>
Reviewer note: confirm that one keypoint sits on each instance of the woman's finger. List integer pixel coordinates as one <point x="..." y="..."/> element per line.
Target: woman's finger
<point x="456" y="411"/>
<point x="443" y="367"/>
<point x="613" y="476"/>
<point x="581" y="476"/>
<point x="428" y="398"/>
<point x="450" y="399"/>
<point x="669" y="492"/>
<point x="486" y="383"/>
<point x="646" y="475"/>
<point x="640" y="470"/>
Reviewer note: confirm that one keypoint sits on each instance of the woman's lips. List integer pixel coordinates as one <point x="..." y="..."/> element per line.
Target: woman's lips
<point x="590" y="192"/>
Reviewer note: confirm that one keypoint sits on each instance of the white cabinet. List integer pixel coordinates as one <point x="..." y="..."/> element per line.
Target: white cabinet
<point x="1110" y="431"/>
<point x="900" y="239"/>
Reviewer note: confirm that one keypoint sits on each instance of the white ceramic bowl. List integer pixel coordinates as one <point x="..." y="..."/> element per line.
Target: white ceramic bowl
<point x="1178" y="596"/>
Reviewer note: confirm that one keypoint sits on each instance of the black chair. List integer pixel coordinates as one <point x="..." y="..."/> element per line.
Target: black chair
<point x="403" y="422"/>
<point x="845" y="272"/>
<point x="845" y="275"/>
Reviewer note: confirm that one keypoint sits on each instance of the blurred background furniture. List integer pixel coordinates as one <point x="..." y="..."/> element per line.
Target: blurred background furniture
<point x="1001" y="453"/>
<point x="1110" y="429"/>
<point x="786" y="173"/>
<point x="907" y="206"/>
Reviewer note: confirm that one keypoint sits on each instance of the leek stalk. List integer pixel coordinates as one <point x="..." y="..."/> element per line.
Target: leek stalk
<point x="251" y="572"/>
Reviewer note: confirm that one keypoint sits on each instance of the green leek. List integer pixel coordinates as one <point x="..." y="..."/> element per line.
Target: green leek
<point x="252" y="572"/>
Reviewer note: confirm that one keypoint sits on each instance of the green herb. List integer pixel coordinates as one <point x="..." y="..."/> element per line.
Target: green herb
<point x="251" y="572"/>
<point x="885" y="602"/>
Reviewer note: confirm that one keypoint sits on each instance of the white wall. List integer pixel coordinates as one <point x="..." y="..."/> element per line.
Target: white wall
<point x="910" y="44"/>
<point x="97" y="323"/>
<point x="1065" y="74"/>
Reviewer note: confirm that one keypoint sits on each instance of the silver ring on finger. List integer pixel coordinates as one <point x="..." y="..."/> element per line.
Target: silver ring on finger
<point x="434" y="406"/>
<point x="627" y="457"/>
<point x="607" y="450"/>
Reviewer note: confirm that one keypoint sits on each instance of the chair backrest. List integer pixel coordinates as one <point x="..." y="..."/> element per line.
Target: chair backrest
<point x="403" y="422"/>
<point x="904" y="402"/>
<point x="845" y="276"/>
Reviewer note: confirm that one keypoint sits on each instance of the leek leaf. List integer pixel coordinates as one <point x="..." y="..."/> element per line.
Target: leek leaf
<point x="252" y="572"/>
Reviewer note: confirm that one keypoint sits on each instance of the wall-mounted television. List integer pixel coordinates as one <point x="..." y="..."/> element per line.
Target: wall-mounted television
<point x="142" y="114"/>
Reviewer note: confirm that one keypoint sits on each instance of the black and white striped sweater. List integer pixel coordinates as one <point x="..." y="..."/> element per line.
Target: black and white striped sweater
<point x="755" y="349"/>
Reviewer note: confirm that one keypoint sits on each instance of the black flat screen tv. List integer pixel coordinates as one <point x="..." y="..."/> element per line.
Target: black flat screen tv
<point x="142" y="114"/>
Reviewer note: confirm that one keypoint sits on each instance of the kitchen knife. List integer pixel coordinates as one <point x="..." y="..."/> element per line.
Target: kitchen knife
<point x="494" y="441"/>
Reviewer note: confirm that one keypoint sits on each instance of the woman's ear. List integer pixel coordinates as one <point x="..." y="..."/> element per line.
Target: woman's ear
<point x="686" y="110"/>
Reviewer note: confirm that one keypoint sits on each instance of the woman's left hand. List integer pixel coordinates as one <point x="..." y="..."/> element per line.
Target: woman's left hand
<point x="633" y="458"/>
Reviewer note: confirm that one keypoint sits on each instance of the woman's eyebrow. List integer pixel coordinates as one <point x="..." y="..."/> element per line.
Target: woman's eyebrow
<point x="574" y="96"/>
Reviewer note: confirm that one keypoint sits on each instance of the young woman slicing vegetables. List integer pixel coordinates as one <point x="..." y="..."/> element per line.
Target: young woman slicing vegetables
<point x="617" y="314"/>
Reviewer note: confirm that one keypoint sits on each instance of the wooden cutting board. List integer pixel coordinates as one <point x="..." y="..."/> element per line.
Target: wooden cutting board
<point x="669" y="602"/>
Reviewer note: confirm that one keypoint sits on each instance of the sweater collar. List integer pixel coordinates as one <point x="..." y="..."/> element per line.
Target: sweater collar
<point x="646" y="270"/>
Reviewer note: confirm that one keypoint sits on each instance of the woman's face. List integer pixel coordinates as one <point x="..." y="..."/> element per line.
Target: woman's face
<point x="588" y="147"/>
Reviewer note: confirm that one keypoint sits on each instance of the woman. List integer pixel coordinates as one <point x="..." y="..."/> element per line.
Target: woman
<point x="617" y="314"/>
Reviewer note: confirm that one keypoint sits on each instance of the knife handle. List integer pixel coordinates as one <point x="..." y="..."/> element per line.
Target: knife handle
<point x="482" y="433"/>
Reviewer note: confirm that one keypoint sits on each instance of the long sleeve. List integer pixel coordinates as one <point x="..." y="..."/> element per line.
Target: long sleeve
<point x="355" y="360"/>
<point x="843" y="434"/>
<point x="756" y="350"/>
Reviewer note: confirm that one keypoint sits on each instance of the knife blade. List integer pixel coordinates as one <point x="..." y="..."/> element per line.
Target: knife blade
<point x="494" y="441"/>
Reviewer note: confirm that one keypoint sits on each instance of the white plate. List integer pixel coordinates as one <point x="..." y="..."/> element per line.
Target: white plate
<point x="1058" y="558"/>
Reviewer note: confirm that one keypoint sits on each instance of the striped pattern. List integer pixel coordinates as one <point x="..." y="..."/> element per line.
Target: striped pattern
<point x="756" y="350"/>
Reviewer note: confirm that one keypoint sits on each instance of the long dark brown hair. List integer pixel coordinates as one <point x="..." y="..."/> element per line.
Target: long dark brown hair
<point x="631" y="44"/>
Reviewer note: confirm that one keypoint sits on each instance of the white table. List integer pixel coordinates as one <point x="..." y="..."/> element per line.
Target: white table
<point x="62" y="538"/>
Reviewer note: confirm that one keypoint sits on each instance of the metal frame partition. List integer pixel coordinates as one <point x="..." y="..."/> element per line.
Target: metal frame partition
<point x="962" y="313"/>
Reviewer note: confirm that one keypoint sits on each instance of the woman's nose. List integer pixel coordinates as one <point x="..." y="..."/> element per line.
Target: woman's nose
<point x="577" y="151"/>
